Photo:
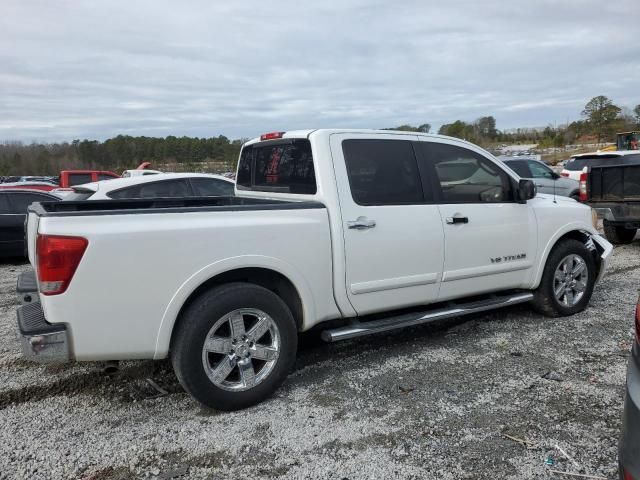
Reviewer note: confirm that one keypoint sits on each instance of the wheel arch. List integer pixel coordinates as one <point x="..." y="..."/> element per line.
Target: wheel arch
<point x="267" y="272"/>
<point x="573" y="231"/>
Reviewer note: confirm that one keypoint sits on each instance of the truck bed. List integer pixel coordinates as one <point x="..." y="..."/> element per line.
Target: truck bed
<point x="146" y="257"/>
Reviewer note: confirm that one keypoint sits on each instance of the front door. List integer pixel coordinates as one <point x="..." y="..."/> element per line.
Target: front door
<point x="490" y="240"/>
<point x="393" y="237"/>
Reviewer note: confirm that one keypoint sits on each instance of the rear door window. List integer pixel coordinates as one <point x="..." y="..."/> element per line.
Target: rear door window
<point x="382" y="172"/>
<point x="278" y="166"/>
<point x="204" y="187"/>
<point x="162" y="189"/>
<point x="4" y="203"/>
<point x="520" y="167"/>
<point x="19" y="202"/>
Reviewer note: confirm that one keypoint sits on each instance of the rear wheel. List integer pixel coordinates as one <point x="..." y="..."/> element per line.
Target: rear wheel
<point x="567" y="281"/>
<point x="234" y="346"/>
<point x="619" y="235"/>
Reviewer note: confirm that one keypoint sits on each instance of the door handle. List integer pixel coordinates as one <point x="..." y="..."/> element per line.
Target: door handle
<point x="454" y="220"/>
<point x="361" y="223"/>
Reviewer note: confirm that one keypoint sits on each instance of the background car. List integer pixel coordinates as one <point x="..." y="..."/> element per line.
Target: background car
<point x="13" y="211"/>
<point x="579" y="163"/>
<point x="546" y="180"/>
<point x="165" y="185"/>
<point x="629" y="454"/>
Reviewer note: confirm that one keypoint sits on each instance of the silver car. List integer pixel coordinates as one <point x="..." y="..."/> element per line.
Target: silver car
<point x="546" y="180"/>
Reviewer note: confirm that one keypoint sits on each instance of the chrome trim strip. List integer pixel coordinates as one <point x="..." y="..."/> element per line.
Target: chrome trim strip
<point x="486" y="270"/>
<point x="393" y="283"/>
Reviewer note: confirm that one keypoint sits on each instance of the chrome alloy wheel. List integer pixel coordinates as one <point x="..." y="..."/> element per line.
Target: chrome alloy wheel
<point x="241" y="349"/>
<point x="570" y="280"/>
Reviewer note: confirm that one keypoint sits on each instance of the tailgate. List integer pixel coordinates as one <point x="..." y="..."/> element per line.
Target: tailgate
<point x="614" y="183"/>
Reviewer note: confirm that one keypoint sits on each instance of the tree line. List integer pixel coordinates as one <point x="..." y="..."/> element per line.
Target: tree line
<point x="601" y="119"/>
<point x="118" y="153"/>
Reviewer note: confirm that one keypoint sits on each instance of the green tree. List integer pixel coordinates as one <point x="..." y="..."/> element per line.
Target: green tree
<point x="636" y="111"/>
<point x="486" y="127"/>
<point x="601" y="113"/>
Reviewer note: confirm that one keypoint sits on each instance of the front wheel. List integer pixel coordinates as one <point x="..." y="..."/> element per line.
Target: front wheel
<point x="567" y="281"/>
<point x="234" y="345"/>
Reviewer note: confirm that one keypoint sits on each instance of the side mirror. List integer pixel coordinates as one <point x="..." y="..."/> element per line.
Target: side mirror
<point x="555" y="176"/>
<point x="526" y="190"/>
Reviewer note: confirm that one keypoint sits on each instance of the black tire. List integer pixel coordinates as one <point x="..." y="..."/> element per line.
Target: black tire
<point x="619" y="235"/>
<point x="197" y="321"/>
<point x="544" y="300"/>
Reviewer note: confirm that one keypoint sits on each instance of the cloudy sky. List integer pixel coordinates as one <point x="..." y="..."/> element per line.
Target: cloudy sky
<point x="95" y="69"/>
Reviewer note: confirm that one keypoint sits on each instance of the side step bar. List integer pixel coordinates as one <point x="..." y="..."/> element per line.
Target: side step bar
<point x="359" y="329"/>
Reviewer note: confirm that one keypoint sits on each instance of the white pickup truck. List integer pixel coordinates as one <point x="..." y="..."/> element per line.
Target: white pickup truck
<point x="350" y="231"/>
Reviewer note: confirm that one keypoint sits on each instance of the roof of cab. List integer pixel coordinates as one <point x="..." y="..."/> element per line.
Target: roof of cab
<point x="608" y="153"/>
<point x="307" y="133"/>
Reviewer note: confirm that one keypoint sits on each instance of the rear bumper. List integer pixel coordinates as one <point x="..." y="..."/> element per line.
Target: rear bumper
<point x="629" y="453"/>
<point x="41" y="341"/>
<point x="623" y="214"/>
<point x="27" y="287"/>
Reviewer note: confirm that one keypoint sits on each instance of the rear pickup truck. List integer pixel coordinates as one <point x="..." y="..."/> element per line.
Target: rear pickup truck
<point x="613" y="190"/>
<point x="349" y="232"/>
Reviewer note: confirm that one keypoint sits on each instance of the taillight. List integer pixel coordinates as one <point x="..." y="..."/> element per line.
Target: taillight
<point x="583" y="187"/>
<point x="626" y="475"/>
<point x="564" y="174"/>
<point x="271" y="135"/>
<point x="57" y="258"/>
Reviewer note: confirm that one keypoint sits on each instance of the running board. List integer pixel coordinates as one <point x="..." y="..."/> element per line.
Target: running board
<point x="359" y="329"/>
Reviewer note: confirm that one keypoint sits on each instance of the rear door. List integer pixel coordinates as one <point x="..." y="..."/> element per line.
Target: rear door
<point x="393" y="236"/>
<point x="490" y="240"/>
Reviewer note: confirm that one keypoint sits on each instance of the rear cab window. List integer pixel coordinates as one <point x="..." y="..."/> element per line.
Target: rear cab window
<point x="282" y="166"/>
<point x="79" y="178"/>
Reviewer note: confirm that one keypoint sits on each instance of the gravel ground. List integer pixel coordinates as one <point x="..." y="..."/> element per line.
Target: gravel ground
<point x="428" y="402"/>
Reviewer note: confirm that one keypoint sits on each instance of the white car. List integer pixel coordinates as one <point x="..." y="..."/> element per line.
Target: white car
<point x="578" y="164"/>
<point x="165" y="185"/>
<point x="354" y="232"/>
